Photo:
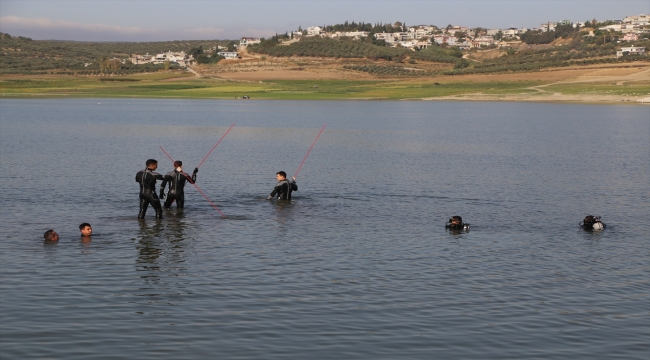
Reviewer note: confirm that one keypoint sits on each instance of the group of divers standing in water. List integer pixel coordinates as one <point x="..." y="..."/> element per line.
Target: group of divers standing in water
<point x="177" y="179"/>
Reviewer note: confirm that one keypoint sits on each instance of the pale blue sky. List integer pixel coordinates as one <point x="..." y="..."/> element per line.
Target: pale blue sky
<point x="153" y="20"/>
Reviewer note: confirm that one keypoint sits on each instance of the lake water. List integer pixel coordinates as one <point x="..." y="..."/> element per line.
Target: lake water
<point x="359" y="265"/>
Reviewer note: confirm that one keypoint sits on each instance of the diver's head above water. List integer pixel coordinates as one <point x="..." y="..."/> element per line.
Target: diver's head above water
<point x="281" y="176"/>
<point x="591" y="222"/>
<point x="456" y="222"/>
<point x="152" y="164"/>
<point x="178" y="165"/>
<point x="51" y="235"/>
<point x="86" y="230"/>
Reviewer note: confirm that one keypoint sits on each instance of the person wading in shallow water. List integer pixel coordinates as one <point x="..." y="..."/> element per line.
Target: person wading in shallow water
<point x="147" y="180"/>
<point x="284" y="187"/>
<point x="176" y="180"/>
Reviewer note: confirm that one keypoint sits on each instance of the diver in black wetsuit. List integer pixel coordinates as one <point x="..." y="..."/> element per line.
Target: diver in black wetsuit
<point x="283" y="188"/>
<point x="176" y="180"/>
<point x="592" y="223"/>
<point x="456" y="223"/>
<point x="147" y="180"/>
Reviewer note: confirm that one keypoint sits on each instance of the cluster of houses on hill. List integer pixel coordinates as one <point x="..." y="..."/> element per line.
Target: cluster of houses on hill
<point x="183" y="59"/>
<point x="180" y="58"/>
<point x="422" y="36"/>
<point x="465" y="38"/>
<point x="413" y="37"/>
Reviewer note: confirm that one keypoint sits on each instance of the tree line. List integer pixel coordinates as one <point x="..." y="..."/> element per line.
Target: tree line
<point x="363" y="26"/>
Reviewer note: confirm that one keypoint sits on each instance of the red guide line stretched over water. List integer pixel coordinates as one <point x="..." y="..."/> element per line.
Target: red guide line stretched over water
<point x="308" y="151"/>
<point x="215" y="145"/>
<point x="197" y="188"/>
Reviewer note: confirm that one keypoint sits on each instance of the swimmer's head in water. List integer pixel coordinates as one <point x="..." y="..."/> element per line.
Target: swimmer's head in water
<point x="86" y="229"/>
<point x="456" y="220"/>
<point x="51" y="235"/>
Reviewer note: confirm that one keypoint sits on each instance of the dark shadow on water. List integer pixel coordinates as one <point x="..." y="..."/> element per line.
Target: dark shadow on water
<point x="284" y="211"/>
<point x="457" y="233"/>
<point x="593" y="235"/>
<point x="85" y="243"/>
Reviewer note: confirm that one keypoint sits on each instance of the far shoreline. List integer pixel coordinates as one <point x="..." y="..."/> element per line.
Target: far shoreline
<point x="624" y="84"/>
<point x="464" y="98"/>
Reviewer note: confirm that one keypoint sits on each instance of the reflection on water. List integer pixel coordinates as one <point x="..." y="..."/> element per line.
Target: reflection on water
<point x="162" y="251"/>
<point x="149" y="246"/>
<point x="283" y="211"/>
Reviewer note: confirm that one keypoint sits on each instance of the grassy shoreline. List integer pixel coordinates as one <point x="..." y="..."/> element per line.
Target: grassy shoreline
<point x="186" y="86"/>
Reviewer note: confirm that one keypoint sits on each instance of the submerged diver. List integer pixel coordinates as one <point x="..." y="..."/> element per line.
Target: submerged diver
<point x="283" y="188"/>
<point x="456" y="223"/>
<point x="176" y="180"/>
<point x="147" y="180"/>
<point x="592" y="223"/>
<point x="51" y="235"/>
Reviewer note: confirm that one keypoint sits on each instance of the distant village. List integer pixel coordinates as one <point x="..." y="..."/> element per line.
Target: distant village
<point x="423" y="36"/>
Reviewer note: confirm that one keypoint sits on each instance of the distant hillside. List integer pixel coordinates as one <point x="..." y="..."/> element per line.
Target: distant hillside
<point x="565" y="48"/>
<point x="21" y="55"/>
<point x="348" y="48"/>
<point x="576" y="51"/>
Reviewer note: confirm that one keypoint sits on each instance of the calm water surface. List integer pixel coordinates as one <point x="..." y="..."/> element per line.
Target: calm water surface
<point x="359" y="265"/>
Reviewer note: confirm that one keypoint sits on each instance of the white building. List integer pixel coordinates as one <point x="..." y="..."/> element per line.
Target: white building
<point x="409" y="44"/>
<point x="387" y="37"/>
<point x="314" y="31"/>
<point x="483" y="41"/>
<point x="355" y="34"/>
<point x="422" y="32"/>
<point x="141" y="59"/>
<point x="493" y="32"/>
<point x="445" y="39"/>
<point x="624" y="28"/>
<point x="179" y="58"/>
<point x="462" y="29"/>
<point x="640" y="20"/>
<point x="548" y="26"/>
<point x="245" y="41"/>
<point x="393" y="38"/>
<point x="423" y="44"/>
<point x="229" y="54"/>
<point x="351" y="34"/>
<point x="632" y="50"/>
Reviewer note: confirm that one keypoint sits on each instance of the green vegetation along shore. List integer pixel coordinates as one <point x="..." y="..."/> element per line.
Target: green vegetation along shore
<point x="185" y="85"/>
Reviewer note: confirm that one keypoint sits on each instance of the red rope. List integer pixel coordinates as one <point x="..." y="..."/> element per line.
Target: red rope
<point x="308" y="151"/>
<point x="215" y="145"/>
<point x="197" y="188"/>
